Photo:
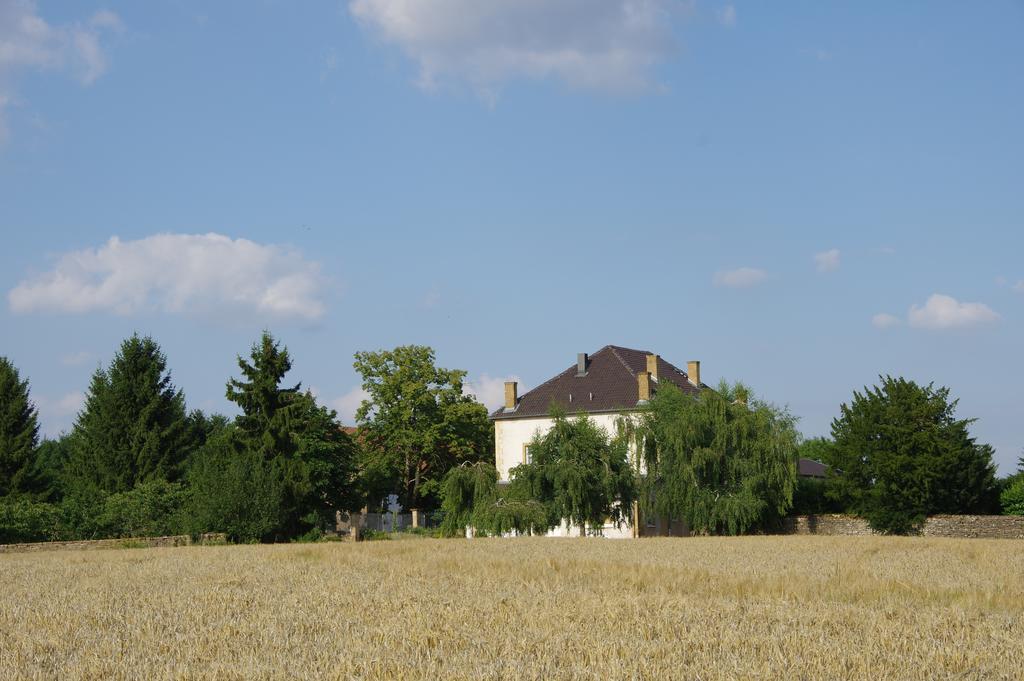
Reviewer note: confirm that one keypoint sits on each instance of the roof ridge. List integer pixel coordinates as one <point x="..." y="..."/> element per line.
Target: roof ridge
<point x="615" y="351"/>
<point x="572" y="368"/>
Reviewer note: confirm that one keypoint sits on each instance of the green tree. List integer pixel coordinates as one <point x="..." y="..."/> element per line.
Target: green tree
<point x="298" y="464"/>
<point x="579" y="473"/>
<point x="52" y="458"/>
<point x="722" y="462"/>
<point x="266" y="407"/>
<point x="810" y="494"/>
<point x="472" y="498"/>
<point x="133" y="427"/>
<point x="233" y="490"/>
<point x="416" y="424"/>
<point x="1012" y="497"/>
<point x="901" y="454"/>
<point x="19" y="432"/>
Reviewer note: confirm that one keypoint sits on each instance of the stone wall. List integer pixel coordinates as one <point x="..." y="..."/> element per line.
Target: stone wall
<point x="987" y="526"/>
<point x="134" y="542"/>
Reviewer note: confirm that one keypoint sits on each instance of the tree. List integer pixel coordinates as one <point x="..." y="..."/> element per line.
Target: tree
<point x="329" y="456"/>
<point x="266" y="406"/>
<point x="900" y="455"/>
<point x="1012" y="497"/>
<point x="133" y="428"/>
<point x="19" y="432"/>
<point x="416" y="424"/>
<point x="579" y="473"/>
<point x="298" y="463"/>
<point x="233" y="490"/>
<point x="809" y="495"/>
<point x="722" y="462"/>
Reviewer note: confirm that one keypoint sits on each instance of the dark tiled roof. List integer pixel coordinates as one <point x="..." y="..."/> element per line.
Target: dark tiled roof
<point x="610" y="384"/>
<point x="809" y="468"/>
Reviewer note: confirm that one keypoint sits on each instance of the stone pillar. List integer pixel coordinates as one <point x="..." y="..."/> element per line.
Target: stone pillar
<point x="415" y="516"/>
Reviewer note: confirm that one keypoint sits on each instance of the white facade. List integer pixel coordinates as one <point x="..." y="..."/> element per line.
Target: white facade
<point x="511" y="437"/>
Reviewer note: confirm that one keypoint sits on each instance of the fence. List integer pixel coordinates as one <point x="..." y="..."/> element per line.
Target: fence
<point x="385" y="522"/>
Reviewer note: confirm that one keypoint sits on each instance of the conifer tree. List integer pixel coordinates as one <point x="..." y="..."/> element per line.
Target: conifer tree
<point x="266" y="407"/>
<point x="133" y="427"/>
<point x="286" y="453"/>
<point x="19" y="432"/>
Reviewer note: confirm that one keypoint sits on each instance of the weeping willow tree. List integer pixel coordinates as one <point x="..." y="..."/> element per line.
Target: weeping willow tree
<point x="723" y="462"/>
<point x="578" y="473"/>
<point x="471" y="497"/>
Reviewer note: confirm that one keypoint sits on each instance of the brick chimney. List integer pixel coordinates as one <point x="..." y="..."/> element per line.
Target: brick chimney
<point x="511" y="394"/>
<point x="693" y="370"/>
<point x="652" y="366"/>
<point x="643" y="382"/>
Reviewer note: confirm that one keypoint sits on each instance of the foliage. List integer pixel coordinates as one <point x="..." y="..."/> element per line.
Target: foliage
<point x="233" y="490"/>
<point x="51" y="460"/>
<point x="810" y="494"/>
<point x="286" y="451"/>
<point x="1012" y="499"/>
<point x="19" y="433"/>
<point x="722" y="462"/>
<point x="465" y="492"/>
<point x="578" y="473"/>
<point x="416" y="424"/>
<point x="900" y="455"/>
<point x="24" y="520"/>
<point x="328" y="455"/>
<point x="151" y="509"/>
<point x="133" y="428"/>
<point x="267" y="408"/>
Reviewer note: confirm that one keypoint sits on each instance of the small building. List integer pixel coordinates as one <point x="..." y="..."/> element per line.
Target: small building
<point x="611" y="383"/>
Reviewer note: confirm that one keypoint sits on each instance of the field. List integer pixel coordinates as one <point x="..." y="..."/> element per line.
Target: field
<point x="707" y="608"/>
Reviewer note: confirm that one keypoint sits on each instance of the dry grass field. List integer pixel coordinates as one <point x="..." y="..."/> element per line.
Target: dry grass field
<point x="704" y="608"/>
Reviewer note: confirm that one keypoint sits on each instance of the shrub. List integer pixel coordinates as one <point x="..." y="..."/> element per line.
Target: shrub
<point x="1012" y="497"/>
<point x="234" y="491"/>
<point x="151" y="509"/>
<point x="22" y="520"/>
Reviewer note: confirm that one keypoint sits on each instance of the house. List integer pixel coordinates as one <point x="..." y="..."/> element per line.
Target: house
<point x="809" y="468"/>
<point x="611" y="383"/>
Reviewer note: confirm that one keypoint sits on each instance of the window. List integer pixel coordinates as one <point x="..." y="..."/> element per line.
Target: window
<point x="527" y="455"/>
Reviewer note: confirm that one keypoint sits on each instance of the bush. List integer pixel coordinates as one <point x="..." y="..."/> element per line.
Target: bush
<point x="809" y="498"/>
<point x="22" y="520"/>
<point x="152" y="509"/>
<point x="1012" y="497"/>
<point x="233" y="491"/>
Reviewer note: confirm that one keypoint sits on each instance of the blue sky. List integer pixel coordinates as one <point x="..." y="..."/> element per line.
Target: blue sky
<point x="802" y="195"/>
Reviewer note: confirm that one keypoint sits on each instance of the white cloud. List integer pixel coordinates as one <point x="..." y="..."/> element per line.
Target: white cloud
<point x="28" y="42"/>
<point x="489" y="390"/>
<point x="57" y="415"/>
<point x="945" y="312"/>
<point x="827" y="261"/>
<point x="347" y="404"/>
<point x="178" y="273"/>
<point x="884" y="320"/>
<point x="73" y="359"/>
<point x="727" y="16"/>
<point x="610" y="45"/>
<point x="742" y="277"/>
